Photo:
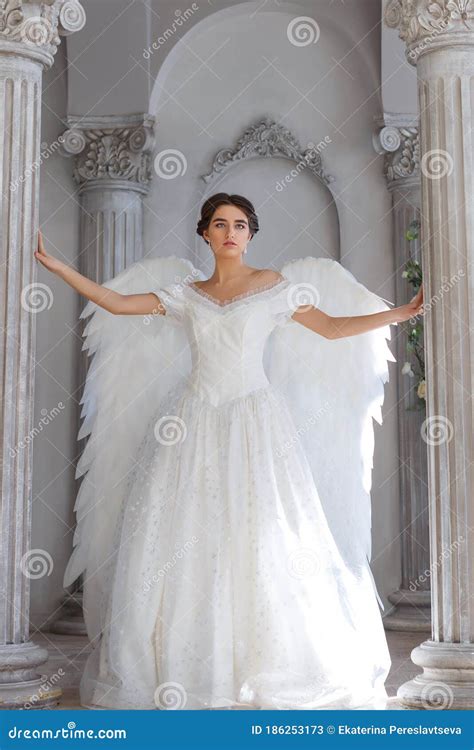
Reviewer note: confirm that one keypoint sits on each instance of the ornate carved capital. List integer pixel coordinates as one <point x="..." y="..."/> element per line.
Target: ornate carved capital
<point x="401" y="146"/>
<point x="270" y="139"/>
<point x="35" y="28"/>
<point x="114" y="149"/>
<point x="428" y="24"/>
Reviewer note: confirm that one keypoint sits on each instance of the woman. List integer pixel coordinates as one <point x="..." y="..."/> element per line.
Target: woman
<point x="225" y="541"/>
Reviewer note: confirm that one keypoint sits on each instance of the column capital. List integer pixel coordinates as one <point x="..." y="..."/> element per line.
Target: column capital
<point x="111" y="151"/>
<point x="33" y="29"/>
<point x="398" y="138"/>
<point x="426" y="25"/>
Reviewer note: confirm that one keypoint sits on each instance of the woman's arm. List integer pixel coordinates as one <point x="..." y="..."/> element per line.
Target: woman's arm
<point x="339" y="327"/>
<point x="113" y="302"/>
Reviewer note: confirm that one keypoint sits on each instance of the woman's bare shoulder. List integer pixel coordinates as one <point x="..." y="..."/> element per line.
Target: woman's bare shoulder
<point x="268" y="275"/>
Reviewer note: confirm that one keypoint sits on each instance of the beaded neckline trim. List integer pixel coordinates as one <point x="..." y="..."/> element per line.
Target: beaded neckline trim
<point x="243" y="295"/>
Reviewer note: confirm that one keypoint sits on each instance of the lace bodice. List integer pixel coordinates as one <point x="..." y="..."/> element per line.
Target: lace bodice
<point x="227" y="337"/>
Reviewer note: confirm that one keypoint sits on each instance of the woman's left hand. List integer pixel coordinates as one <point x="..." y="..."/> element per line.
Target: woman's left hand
<point x="412" y="308"/>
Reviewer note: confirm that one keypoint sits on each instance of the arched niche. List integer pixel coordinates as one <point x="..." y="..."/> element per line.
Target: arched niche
<point x="289" y="188"/>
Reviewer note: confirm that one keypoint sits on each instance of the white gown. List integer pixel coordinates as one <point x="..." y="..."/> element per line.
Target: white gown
<point x="223" y="585"/>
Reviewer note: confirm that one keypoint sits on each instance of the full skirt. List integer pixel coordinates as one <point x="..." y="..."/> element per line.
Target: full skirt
<point x="227" y="588"/>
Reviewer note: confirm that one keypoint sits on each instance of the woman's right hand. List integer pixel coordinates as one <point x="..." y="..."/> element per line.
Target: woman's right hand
<point x="52" y="264"/>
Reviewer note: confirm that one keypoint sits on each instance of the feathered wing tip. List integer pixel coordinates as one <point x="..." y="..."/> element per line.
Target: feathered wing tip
<point x="334" y="388"/>
<point x="136" y="360"/>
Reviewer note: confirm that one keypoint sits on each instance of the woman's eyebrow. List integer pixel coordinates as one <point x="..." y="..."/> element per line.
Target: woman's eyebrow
<point x="237" y="221"/>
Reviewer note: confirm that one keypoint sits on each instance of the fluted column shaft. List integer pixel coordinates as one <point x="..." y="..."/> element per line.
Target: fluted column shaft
<point x="398" y="139"/>
<point x="440" y="40"/>
<point x="28" y="42"/>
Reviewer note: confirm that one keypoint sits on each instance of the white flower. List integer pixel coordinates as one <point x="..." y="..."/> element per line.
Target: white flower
<point x="404" y="274"/>
<point x="421" y="391"/>
<point x="406" y="370"/>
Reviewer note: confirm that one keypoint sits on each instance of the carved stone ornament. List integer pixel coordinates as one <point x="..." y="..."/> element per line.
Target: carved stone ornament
<point x="121" y="152"/>
<point x="425" y="24"/>
<point x="401" y="146"/>
<point x="268" y="139"/>
<point x="39" y="25"/>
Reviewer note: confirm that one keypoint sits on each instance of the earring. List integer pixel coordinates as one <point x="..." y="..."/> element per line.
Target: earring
<point x="245" y="249"/>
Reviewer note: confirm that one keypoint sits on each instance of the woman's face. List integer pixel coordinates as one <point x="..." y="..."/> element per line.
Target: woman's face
<point x="228" y="224"/>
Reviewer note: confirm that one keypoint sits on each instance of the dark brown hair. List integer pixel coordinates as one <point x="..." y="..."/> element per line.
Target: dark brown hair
<point x="212" y="203"/>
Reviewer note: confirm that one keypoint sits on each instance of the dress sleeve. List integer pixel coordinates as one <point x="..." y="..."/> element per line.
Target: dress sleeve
<point x="281" y="304"/>
<point x="173" y="300"/>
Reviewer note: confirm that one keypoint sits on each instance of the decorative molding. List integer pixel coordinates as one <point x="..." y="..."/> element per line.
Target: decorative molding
<point x="428" y="24"/>
<point x="401" y="146"/>
<point x="39" y="25"/>
<point x="115" y="149"/>
<point x="268" y="139"/>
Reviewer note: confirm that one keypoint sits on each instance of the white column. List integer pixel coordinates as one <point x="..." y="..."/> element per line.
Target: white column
<point x="440" y="41"/>
<point x="29" y="37"/>
<point x="398" y="139"/>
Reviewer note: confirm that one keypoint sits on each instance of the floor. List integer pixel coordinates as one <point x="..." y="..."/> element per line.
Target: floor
<point x="69" y="653"/>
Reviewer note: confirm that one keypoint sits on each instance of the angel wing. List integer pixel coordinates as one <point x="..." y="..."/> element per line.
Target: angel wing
<point x="137" y="359"/>
<point x="333" y="388"/>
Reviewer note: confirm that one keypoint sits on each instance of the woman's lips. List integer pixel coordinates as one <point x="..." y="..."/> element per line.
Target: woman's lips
<point x="230" y="243"/>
